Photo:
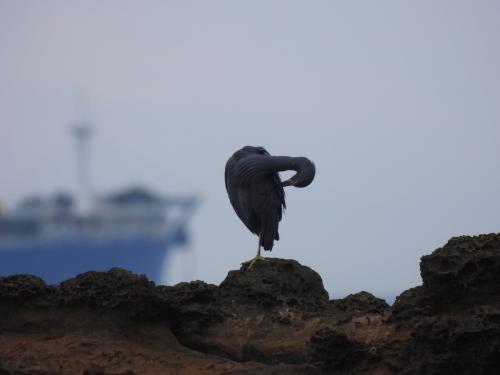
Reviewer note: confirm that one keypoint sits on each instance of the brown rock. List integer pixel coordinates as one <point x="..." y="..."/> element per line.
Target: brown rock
<point x="362" y="302"/>
<point x="332" y="350"/>
<point x="276" y="283"/>
<point x="465" y="266"/>
<point x="21" y="288"/>
<point x="272" y="319"/>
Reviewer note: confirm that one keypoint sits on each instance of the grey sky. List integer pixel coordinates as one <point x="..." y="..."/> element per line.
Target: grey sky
<point x="397" y="103"/>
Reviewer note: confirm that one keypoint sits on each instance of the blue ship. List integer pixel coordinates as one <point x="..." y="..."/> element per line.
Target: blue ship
<point x="57" y="238"/>
<point x="134" y="229"/>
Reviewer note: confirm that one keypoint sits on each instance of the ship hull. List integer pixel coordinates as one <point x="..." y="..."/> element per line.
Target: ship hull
<point x="57" y="260"/>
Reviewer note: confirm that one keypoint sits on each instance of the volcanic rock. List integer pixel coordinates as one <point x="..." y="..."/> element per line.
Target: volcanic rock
<point x="116" y="289"/>
<point x="466" y="267"/>
<point x="275" y="283"/>
<point x="332" y="350"/>
<point x="464" y="272"/>
<point x="362" y="302"/>
<point x="22" y="288"/>
<point x="274" y="318"/>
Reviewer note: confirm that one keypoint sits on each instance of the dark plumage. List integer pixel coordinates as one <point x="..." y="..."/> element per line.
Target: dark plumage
<point x="256" y="191"/>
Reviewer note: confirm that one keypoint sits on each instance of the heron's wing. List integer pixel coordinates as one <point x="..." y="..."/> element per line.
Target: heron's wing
<point x="251" y="168"/>
<point x="279" y="190"/>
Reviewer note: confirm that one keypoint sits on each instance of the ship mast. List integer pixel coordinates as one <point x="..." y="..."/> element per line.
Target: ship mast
<point x="82" y="131"/>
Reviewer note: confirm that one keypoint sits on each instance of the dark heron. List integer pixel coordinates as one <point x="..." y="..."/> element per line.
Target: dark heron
<point x="256" y="191"/>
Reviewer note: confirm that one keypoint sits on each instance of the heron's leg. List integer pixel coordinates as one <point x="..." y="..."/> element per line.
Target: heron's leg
<point x="256" y="258"/>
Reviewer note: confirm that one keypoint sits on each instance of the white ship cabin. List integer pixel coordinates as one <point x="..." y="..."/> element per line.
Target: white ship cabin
<point x="131" y="212"/>
<point x="35" y="216"/>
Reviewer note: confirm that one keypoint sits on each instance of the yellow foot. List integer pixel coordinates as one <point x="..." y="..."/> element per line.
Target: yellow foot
<point x="253" y="261"/>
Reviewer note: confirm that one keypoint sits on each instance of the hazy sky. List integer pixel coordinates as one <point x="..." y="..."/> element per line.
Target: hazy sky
<point x="397" y="103"/>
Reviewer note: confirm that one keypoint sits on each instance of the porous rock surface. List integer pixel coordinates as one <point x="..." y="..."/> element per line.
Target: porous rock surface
<point x="275" y="318"/>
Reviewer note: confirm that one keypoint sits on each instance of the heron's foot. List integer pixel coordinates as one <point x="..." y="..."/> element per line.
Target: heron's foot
<point x="252" y="261"/>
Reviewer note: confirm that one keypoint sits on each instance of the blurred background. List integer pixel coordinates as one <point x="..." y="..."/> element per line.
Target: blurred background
<point x="397" y="103"/>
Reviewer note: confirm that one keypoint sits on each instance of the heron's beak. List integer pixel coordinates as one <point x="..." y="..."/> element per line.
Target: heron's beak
<point x="289" y="182"/>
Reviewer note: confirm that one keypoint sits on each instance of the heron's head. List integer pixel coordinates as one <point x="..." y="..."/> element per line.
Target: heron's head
<point x="305" y="173"/>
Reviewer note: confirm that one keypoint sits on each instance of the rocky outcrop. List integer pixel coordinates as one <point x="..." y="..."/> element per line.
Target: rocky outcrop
<point x="275" y="318"/>
<point x="465" y="268"/>
<point x="276" y="283"/>
<point x="360" y="303"/>
<point x="464" y="272"/>
<point x="455" y="315"/>
<point x="22" y="289"/>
